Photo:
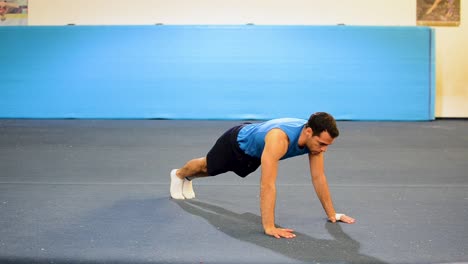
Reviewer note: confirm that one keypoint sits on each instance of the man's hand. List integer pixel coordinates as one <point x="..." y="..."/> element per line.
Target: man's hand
<point x="280" y="232"/>
<point x="343" y="218"/>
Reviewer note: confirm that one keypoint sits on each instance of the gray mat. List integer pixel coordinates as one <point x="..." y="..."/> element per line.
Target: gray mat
<point x="96" y="191"/>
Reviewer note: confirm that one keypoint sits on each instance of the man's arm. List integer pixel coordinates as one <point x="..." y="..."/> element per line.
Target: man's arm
<point x="11" y="5"/>
<point x="276" y="145"/>
<point x="321" y="188"/>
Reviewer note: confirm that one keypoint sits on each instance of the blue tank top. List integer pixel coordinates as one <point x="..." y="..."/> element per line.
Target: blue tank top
<point x="251" y="138"/>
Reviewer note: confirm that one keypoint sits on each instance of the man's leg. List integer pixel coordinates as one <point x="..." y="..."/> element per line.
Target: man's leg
<point x="193" y="169"/>
<point x="221" y="158"/>
<point x="434" y="6"/>
<point x="181" y="184"/>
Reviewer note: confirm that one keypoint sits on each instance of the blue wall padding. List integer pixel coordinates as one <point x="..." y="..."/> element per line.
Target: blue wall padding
<point x="217" y="72"/>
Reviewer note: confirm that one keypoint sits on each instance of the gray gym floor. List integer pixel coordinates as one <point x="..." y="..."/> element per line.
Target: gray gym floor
<point x="97" y="191"/>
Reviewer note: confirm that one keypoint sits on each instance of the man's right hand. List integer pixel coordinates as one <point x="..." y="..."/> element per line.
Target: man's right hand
<point x="280" y="232"/>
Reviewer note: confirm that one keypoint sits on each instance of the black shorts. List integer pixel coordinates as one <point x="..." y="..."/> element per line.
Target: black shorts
<point x="226" y="155"/>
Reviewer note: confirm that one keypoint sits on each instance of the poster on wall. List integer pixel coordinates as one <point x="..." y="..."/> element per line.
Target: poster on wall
<point x="438" y="12"/>
<point x="13" y="12"/>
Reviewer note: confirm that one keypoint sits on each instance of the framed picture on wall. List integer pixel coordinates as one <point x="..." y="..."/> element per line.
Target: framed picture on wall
<point x="438" y="12"/>
<point x="13" y="12"/>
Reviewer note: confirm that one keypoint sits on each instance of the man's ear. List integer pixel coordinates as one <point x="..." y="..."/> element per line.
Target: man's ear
<point x="309" y="131"/>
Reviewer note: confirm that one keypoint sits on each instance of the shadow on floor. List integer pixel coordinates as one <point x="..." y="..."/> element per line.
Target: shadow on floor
<point x="245" y="227"/>
<point x="131" y="231"/>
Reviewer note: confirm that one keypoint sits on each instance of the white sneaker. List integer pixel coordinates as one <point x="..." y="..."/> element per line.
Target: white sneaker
<point x="176" y="186"/>
<point x="187" y="190"/>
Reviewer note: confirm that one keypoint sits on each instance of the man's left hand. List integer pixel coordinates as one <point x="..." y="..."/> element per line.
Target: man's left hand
<point x="343" y="218"/>
<point x="347" y="219"/>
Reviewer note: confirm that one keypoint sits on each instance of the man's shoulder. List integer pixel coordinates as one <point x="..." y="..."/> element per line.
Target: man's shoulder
<point x="289" y="120"/>
<point x="277" y="133"/>
<point x="286" y="121"/>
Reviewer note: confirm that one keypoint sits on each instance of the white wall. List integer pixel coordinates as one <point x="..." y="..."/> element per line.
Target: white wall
<point x="364" y="12"/>
<point x="451" y="64"/>
<point x="452" y="69"/>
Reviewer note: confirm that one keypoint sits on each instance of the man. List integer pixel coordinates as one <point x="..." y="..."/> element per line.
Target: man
<point x="242" y="149"/>
<point x="5" y="9"/>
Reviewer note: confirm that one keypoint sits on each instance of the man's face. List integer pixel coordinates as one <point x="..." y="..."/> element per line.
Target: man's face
<point x="3" y="8"/>
<point x="320" y="143"/>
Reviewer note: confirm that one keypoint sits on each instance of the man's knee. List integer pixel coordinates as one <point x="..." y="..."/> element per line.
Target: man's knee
<point x="202" y="166"/>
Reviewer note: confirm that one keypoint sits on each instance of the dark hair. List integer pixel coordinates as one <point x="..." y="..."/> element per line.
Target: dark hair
<point x="322" y="121"/>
